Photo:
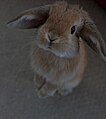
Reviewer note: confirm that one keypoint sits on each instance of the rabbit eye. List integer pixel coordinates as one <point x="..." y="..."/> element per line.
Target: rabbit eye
<point x="73" y="29"/>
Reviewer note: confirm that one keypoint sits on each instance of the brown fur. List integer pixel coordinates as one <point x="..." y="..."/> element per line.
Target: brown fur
<point x="62" y="17"/>
<point x="60" y="65"/>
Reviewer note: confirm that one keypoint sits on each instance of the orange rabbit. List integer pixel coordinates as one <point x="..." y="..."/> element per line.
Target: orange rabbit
<point x="58" y="54"/>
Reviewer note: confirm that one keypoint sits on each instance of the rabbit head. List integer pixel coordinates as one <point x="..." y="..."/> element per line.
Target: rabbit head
<point x="59" y="28"/>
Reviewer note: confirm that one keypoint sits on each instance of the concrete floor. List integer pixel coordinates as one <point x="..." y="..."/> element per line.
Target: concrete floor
<point x="18" y="99"/>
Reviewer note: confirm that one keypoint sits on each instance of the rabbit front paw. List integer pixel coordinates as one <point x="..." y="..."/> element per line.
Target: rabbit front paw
<point x="64" y="91"/>
<point x="39" y="82"/>
<point x="47" y="90"/>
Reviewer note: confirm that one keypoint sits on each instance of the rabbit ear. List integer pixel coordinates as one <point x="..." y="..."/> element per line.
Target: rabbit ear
<point x="32" y="18"/>
<point x="93" y="37"/>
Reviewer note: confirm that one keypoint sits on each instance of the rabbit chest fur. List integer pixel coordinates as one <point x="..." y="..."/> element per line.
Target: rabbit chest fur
<point x="59" y="71"/>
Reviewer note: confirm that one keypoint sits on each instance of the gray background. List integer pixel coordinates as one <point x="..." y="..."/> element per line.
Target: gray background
<point x="18" y="99"/>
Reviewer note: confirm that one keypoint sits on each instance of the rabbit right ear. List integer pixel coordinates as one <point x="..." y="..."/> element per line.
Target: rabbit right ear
<point x="92" y="36"/>
<point x="32" y="18"/>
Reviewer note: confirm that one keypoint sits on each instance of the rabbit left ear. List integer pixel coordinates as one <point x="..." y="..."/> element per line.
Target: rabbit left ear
<point x="92" y="36"/>
<point x="32" y="18"/>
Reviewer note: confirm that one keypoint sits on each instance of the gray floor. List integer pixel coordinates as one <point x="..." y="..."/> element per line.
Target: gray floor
<point x="18" y="99"/>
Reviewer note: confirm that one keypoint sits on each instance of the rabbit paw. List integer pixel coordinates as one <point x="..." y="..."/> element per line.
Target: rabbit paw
<point x="47" y="90"/>
<point x="38" y="81"/>
<point x="64" y="92"/>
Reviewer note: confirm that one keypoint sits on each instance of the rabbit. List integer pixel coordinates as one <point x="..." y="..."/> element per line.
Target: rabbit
<point x="58" y="55"/>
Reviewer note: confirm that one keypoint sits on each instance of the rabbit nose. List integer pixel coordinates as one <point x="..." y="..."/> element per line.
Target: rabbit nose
<point x="50" y="39"/>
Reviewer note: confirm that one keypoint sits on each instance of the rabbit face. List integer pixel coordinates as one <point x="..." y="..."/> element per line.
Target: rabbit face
<point x="59" y="34"/>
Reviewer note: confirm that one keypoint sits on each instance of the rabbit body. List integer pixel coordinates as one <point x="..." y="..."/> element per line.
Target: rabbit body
<point x="55" y="73"/>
